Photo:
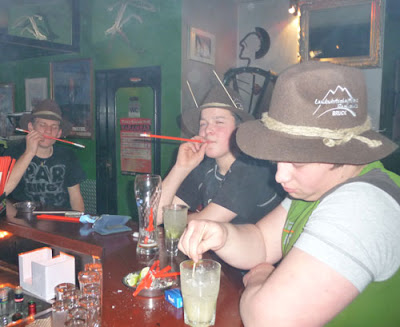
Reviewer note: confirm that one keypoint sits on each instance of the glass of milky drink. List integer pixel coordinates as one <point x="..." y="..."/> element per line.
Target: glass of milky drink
<point x="175" y="221"/>
<point x="200" y="288"/>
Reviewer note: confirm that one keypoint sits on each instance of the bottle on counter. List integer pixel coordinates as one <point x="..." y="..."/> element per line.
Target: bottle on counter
<point x="18" y="304"/>
<point x="31" y="308"/>
<point x="4" y="306"/>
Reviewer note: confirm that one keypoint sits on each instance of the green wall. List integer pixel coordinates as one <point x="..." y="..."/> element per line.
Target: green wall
<point x="154" y="42"/>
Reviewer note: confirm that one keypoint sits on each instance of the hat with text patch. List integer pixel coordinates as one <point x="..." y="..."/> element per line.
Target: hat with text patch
<point x="46" y="109"/>
<point x="217" y="97"/>
<point x="318" y="113"/>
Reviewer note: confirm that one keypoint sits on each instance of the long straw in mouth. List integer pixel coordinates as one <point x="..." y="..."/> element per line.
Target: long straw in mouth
<point x="53" y="138"/>
<point x="170" y="138"/>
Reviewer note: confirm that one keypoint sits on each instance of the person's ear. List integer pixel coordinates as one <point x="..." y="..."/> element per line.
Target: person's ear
<point x="30" y="127"/>
<point x="59" y="133"/>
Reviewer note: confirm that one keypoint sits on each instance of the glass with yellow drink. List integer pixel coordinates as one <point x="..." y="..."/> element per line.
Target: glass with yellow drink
<point x="200" y="288"/>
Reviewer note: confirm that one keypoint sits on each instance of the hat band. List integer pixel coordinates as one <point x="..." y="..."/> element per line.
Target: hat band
<point x="330" y="137"/>
<point x="48" y="113"/>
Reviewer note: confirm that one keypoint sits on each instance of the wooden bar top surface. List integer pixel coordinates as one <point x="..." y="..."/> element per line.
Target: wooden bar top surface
<point x="118" y="255"/>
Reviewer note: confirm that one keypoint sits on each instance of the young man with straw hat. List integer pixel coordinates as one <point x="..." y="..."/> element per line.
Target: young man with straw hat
<point x="46" y="173"/>
<point x="213" y="178"/>
<point x="335" y="237"/>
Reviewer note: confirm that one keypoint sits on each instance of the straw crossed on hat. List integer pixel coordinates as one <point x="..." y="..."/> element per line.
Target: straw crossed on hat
<point x="318" y="113"/>
<point x="218" y="96"/>
<point x="46" y="109"/>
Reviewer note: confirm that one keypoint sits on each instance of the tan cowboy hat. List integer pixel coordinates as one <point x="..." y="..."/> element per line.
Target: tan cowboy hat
<point x="216" y="97"/>
<point x="318" y="113"/>
<point x="46" y="109"/>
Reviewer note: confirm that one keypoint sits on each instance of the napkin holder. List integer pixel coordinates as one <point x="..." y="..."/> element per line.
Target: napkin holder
<point x="110" y="224"/>
<point x="40" y="272"/>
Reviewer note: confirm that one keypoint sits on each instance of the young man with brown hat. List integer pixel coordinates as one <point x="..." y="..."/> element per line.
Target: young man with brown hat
<point x="213" y="178"/>
<point x="46" y="173"/>
<point x="335" y="237"/>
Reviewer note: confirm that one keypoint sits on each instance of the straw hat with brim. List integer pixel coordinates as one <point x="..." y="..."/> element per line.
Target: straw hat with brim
<point x="46" y="109"/>
<point x="318" y="113"/>
<point x="216" y="97"/>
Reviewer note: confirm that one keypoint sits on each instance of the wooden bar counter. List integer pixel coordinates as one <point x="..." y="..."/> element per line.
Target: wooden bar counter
<point x="118" y="256"/>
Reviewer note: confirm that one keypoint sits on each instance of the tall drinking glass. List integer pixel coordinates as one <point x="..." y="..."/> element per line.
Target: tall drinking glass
<point x="175" y="220"/>
<point x="200" y="288"/>
<point x="147" y="193"/>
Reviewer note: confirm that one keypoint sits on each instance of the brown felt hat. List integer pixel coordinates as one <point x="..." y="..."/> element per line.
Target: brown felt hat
<point x="318" y="113"/>
<point x="46" y="109"/>
<point x="216" y="97"/>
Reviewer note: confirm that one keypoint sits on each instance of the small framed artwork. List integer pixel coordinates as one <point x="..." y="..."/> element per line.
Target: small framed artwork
<point x="201" y="46"/>
<point x="6" y="107"/>
<point x="71" y="87"/>
<point x="35" y="90"/>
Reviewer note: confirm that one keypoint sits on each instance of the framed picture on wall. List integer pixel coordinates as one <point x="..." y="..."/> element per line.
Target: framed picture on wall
<point x="35" y="90"/>
<point x="71" y="87"/>
<point x="6" y="107"/>
<point x="201" y="46"/>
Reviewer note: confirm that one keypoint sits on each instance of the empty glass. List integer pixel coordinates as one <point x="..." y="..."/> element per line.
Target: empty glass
<point x="88" y="277"/>
<point x="92" y="305"/>
<point x="147" y="194"/>
<point x="59" y="313"/>
<point x="60" y="289"/>
<point x="78" y="312"/>
<point x="75" y="322"/>
<point x="92" y="290"/>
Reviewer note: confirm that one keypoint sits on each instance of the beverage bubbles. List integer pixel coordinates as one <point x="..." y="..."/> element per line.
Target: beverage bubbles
<point x="200" y="288"/>
<point x="175" y="221"/>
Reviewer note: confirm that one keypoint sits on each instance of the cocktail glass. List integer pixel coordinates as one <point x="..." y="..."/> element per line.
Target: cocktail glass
<point x="147" y="194"/>
<point x="200" y="288"/>
<point x="175" y="221"/>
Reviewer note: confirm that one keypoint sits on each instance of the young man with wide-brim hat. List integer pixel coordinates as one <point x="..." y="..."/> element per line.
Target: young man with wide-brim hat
<point x="46" y="173"/>
<point x="212" y="178"/>
<point x="335" y="236"/>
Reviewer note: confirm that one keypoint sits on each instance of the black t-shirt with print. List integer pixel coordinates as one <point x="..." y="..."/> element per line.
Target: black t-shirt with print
<point x="46" y="180"/>
<point x="248" y="188"/>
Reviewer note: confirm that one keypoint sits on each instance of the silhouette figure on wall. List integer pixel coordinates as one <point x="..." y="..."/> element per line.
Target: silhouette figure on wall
<point x="259" y="39"/>
<point x="254" y="84"/>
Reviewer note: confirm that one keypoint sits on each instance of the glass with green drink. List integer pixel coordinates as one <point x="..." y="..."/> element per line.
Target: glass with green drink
<point x="175" y="221"/>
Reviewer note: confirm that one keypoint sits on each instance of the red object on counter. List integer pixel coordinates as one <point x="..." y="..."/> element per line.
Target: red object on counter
<point x="31" y="308"/>
<point x="59" y="218"/>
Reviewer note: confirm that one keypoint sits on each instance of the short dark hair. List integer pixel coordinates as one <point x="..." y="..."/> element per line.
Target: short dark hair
<point x="238" y="120"/>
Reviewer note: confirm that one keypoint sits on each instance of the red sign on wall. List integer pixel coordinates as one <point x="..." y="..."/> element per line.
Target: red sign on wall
<point x="135" y="150"/>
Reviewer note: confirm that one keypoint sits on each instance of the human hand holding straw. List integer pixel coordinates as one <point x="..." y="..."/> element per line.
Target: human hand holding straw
<point x="50" y="137"/>
<point x="201" y="236"/>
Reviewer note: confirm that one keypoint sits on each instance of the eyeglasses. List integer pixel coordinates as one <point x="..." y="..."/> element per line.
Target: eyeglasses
<point x="43" y="126"/>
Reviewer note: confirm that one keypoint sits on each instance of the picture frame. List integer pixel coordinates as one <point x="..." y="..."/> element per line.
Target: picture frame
<point x="35" y="90"/>
<point x="201" y="46"/>
<point x="7" y="106"/>
<point x="327" y="30"/>
<point x="71" y="87"/>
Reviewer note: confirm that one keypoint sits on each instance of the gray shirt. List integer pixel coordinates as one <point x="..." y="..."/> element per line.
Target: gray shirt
<point x="354" y="233"/>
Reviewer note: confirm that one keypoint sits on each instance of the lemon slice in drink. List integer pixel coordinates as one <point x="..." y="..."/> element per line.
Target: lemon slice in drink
<point x="143" y="272"/>
<point x="132" y="279"/>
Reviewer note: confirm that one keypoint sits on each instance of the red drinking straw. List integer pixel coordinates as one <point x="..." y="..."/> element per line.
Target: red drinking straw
<point x="58" y="218"/>
<point x="170" y="138"/>
<point x="53" y="138"/>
